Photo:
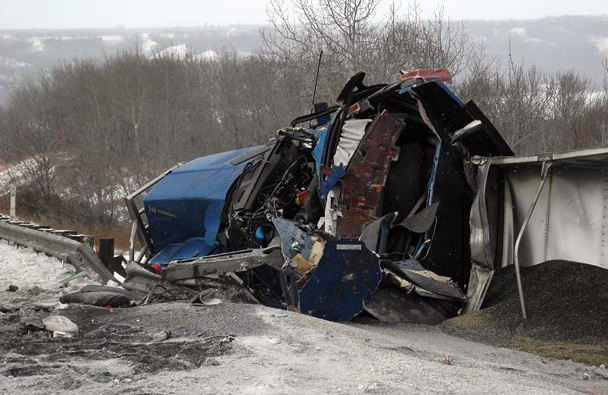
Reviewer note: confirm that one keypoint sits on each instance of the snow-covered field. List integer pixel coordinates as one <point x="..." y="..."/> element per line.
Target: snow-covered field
<point x="244" y="349"/>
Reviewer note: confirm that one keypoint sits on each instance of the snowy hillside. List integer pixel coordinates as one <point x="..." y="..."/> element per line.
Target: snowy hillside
<point x="557" y="43"/>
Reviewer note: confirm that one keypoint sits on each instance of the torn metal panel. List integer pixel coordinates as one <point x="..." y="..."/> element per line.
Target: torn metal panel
<point x="428" y="282"/>
<point x="366" y="175"/>
<point x="221" y="264"/>
<point x="393" y="306"/>
<point x="293" y="239"/>
<point x="346" y="274"/>
<point x="375" y="234"/>
<point x="427" y="75"/>
<point x="142" y="281"/>
<point x="421" y="222"/>
<point x="329" y="222"/>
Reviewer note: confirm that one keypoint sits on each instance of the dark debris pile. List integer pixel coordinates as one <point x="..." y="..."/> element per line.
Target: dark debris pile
<point x="567" y="312"/>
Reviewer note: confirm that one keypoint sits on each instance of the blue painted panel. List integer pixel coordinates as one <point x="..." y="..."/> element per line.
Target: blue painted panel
<point x="187" y="203"/>
<point x="347" y="273"/>
<point x="317" y="152"/>
<point x="164" y="256"/>
<point x="192" y="248"/>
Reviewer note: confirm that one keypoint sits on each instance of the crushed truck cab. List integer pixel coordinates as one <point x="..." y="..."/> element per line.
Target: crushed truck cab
<point x="361" y="206"/>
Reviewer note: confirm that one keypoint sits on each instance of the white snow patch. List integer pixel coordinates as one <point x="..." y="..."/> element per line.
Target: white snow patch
<point x="179" y="51"/>
<point x="168" y="35"/>
<point x="207" y="55"/>
<point x="37" y="43"/>
<point x="147" y="44"/>
<point x="13" y="63"/>
<point x="520" y="31"/>
<point x="25" y="268"/>
<point x="596" y="96"/>
<point x="112" y="39"/>
<point x="12" y="172"/>
<point x="601" y="43"/>
<point x="523" y="34"/>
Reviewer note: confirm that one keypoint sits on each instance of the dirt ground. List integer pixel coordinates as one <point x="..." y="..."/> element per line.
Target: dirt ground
<point x="249" y="349"/>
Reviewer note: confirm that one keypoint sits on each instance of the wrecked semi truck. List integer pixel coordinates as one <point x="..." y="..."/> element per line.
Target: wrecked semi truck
<point x="388" y="203"/>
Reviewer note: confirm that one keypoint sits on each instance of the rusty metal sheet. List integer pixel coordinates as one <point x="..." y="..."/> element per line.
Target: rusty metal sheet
<point x="366" y="174"/>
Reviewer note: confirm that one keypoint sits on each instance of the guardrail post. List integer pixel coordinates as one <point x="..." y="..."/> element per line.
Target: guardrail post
<point x="105" y="251"/>
<point x="13" y="204"/>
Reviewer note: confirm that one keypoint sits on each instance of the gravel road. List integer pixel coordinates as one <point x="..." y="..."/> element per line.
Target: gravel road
<point x="249" y="349"/>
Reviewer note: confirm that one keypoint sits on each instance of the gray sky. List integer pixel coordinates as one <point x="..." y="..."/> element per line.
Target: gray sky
<point x="19" y="14"/>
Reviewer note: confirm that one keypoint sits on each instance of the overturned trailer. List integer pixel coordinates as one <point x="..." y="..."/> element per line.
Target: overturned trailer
<point x="360" y="206"/>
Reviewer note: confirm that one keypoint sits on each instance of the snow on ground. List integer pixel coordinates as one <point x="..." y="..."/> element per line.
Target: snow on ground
<point x="15" y="170"/>
<point x="13" y="63"/>
<point x="520" y="31"/>
<point x="523" y="34"/>
<point x="178" y="51"/>
<point x="207" y="55"/>
<point x="112" y="39"/>
<point x="601" y="43"/>
<point x="147" y="44"/>
<point x="245" y="349"/>
<point x="37" y="43"/>
<point x="38" y="276"/>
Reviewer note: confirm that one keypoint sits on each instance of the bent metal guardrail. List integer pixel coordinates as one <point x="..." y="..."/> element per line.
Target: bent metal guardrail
<point x="78" y="254"/>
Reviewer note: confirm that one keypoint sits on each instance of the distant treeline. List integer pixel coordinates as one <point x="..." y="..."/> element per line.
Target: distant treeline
<point x="89" y="131"/>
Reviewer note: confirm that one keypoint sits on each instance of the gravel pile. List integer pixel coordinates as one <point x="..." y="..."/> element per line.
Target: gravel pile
<point x="567" y="306"/>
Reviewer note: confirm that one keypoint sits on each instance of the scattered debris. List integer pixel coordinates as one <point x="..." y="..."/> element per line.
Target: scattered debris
<point x="60" y="326"/>
<point x="161" y="336"/>
<point x="112" y="299"/>
<point x="35" y="290"/>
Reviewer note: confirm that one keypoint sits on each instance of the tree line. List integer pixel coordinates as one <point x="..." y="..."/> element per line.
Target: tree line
<point x="89" y="131"/>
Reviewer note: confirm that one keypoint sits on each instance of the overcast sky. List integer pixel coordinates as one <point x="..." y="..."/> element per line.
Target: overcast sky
<point x="20" y="14"/>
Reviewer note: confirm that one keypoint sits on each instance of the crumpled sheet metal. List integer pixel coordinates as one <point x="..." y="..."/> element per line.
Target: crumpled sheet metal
<point x="238" y="261"/>
<point x="392" y="305"/>
<point x="425" y="282"/>
<point x="482" y="268"/>
<point x="293" y="240"/>
<point x="346" y="274"/>
<point x="366" y="175"/>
